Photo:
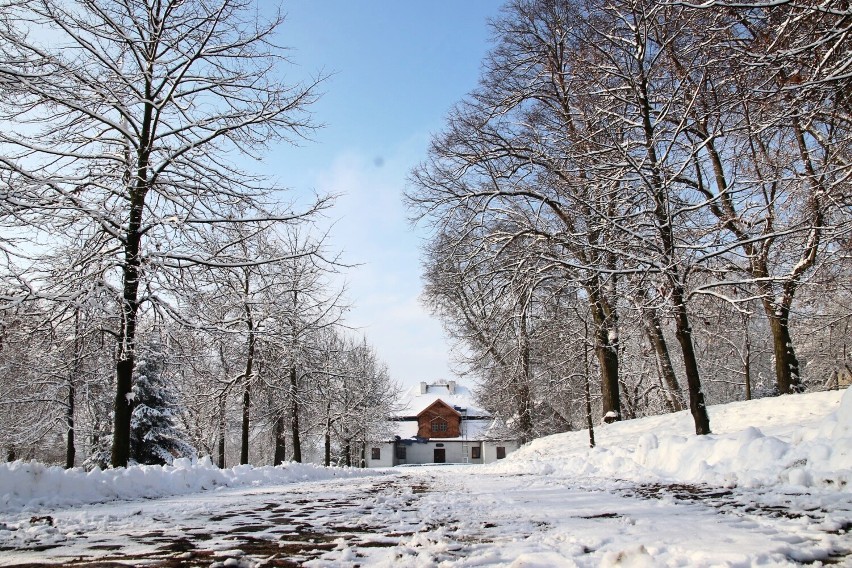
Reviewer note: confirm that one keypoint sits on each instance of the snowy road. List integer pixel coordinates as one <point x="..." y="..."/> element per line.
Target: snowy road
<point x="452" y="516"/>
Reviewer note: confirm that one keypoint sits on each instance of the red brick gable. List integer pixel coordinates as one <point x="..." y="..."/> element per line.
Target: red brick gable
<point x="439" y="420"/>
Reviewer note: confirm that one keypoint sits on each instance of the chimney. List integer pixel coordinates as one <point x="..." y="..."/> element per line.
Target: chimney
<point x="423" y="388"/>
<point x="451" y="386"/>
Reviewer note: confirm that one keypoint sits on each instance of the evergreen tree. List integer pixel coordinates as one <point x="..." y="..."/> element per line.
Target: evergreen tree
<point x="155" y="438"/>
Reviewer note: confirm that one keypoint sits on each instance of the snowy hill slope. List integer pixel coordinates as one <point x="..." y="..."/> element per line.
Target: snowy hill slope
<point x="800" y="440"/>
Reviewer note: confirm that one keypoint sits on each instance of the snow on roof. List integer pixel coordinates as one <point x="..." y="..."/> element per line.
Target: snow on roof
<point x="477" y="423"/>
<point x="420" y="397"/>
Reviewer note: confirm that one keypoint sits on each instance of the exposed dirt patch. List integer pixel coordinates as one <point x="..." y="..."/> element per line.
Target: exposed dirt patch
<point x="745" y="504"/>
<point x="726" y="500"/>
<point x="601" y="516"/>
<point x="285" y="532"/>
<point x="680" y="491"/>
<point x="106" y="547"/>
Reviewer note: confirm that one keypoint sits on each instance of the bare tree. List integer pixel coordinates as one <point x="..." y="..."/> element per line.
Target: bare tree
<point x="366" y="395"/>
<point x="769" y="122"/>
<point x="50" y="379"/>
<point x="628" y="40"/>
<point x="123" y="125"/>
<point x="518" y="160"/>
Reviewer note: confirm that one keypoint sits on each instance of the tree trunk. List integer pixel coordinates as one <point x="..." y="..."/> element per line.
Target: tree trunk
<point x="247" y="376"/>
<point x="697" y="406"/>
<point x="522" y="390"/>
<point x="347" y="450"/>
<point x="786" y="363"/>
<point x="606" y="351"/>
<point x="138" y="186"/>
<point x="327" y="436"/>
<point x="586" y="389"/>
<point x="222" y="428"/>
<point x="244" y="439"/>
<point x="280" y="441"/>
<point x="524" y="410"/>
<point x="747" y="370"/>
<point x="122" y="409"/>
<point x="747" y="360"/>
<point x="294" y="416"/>
<point x="70" y="448"/>
<point x="327" y="459"/>
<point x="244" y="435"/>
<point x="654" y="331"/>
<point x="123" y="404"/>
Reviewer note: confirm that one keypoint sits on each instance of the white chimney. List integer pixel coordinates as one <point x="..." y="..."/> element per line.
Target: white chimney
<point x="451" y="386"/>
<point x="423" y="388"/>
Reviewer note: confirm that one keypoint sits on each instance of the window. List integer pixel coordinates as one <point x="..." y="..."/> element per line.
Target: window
<point x="376" y="454"/>
<point x="400" y="452"/>
<point x="439" y="426"/>
<point x="475" y="453"/>
<point x="501" y="452"/>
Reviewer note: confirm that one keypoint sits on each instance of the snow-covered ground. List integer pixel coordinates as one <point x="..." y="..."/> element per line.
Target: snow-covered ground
<point x="770" y="487"/>
<point x="790" y="441"/>
<point x="30" y="486"/>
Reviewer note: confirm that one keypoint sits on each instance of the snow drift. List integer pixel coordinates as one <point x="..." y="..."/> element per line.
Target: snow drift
<point x="798" y="440"/>
<point x="31" y="485"/>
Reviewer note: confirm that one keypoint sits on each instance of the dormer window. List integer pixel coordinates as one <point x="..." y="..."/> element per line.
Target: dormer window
<point x="439" y="426"/>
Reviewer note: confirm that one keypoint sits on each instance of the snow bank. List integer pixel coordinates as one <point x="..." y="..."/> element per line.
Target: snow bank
<point x="798" y="440"/>
<point x="31" y="485"/>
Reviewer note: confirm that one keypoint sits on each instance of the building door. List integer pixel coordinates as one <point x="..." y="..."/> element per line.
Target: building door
<point x="440" y="455"/>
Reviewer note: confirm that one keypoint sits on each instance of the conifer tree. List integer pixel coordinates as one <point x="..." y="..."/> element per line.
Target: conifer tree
<point x="155" y="438"/>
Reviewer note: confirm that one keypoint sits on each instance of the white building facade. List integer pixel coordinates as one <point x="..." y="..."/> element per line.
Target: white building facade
<point x="440" y="424"/>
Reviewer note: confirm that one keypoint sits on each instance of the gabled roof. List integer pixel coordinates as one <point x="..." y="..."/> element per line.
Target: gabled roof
<point x="476" y="423"/>
<point x="438" y="402"/>
<point x="414" y="400"/>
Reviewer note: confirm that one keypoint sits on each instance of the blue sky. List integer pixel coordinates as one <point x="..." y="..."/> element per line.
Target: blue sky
<point x="398" y="67"/>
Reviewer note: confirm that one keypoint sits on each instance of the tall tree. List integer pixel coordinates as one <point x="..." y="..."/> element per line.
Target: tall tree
<point x="628" y="41"/>
<point x="774" y="129"/>
<point x="517" y="161"/>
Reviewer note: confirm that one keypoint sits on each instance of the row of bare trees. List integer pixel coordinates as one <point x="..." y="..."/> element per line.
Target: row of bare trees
<point x="206" y="388"/>
<point x="128" y="221"/>
<point x="631" y="173"/>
